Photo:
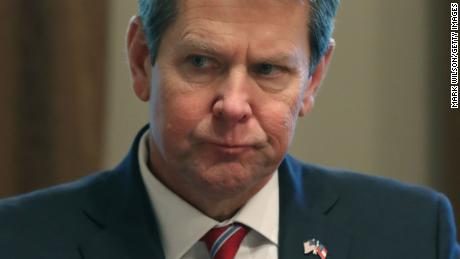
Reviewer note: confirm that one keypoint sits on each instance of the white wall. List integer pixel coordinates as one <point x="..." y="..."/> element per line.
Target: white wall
<point x="370" y="114"/>
<point x="125" y="113"/>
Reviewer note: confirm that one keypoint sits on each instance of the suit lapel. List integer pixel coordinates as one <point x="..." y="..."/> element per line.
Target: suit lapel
<point x="305" y="202"/>
<point x="122" y="214"/>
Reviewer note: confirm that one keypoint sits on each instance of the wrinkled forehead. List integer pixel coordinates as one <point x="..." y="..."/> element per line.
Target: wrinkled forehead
<point x="272" y="30"/>
<point x="218" y="7"/>
<point x="245" y="11"/>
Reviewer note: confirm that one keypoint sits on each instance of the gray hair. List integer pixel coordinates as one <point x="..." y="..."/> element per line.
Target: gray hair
<point x="157" y="15"/>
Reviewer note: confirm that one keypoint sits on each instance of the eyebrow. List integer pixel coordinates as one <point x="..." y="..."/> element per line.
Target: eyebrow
<point x="283" y="58"/>
<point x="191" y="42"/>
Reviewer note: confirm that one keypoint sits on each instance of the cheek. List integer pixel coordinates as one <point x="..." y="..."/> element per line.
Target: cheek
<point x="182" y="115"/>
<point x="279" y="122"/>
<point x="181" y="103"/>
<point x="179" y="114"/>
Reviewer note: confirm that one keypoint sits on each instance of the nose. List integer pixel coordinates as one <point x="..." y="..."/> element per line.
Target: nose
<point x="232" y="102"/>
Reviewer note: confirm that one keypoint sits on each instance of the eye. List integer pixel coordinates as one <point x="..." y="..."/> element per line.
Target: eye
<point x="198" y="68"/>
<point x="271" y="77"/>
<point x="199" y="61"/>
<point x="266" y="69"/>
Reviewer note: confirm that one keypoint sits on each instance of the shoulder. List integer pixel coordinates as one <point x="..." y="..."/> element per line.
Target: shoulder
<point x="51" y="219"/>
<point x="353" y="186"/>
<point x="370" y="202"/>
<point x="377" y="209"/>
<point x="56" y="198"/>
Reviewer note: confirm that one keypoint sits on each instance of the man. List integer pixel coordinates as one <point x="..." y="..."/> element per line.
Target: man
<point x="209" y="177"/>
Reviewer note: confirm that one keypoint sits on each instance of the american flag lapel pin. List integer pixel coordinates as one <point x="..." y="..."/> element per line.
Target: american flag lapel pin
<point x="315" y="247"/>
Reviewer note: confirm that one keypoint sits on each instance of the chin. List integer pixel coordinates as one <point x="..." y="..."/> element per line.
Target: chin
<point x="228" y="178"/>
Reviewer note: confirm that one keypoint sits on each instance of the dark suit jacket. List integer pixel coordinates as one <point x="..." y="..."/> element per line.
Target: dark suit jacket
<point x="108" y="215"/>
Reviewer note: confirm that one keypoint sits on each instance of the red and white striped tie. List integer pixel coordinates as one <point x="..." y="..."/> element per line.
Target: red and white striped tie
<point x="223" y="242"/>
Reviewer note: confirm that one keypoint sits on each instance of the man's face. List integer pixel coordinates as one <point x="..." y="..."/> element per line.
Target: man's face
<point x="230" y="79"/>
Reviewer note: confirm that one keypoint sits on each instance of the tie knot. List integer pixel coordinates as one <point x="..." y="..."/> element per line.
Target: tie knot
<point x="223" y="242"/>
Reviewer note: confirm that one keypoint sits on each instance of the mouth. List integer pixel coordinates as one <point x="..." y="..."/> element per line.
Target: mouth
<point x="231" y="149"/>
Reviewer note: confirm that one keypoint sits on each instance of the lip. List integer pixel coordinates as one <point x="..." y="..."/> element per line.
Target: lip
<point x="231" y="149"/>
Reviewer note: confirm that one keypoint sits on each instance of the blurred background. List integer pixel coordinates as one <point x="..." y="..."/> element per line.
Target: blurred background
<point x="67" y="108"/>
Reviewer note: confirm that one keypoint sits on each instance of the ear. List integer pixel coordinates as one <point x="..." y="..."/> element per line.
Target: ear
<point x="139" y="59"/>
<point x="315" y="79"/>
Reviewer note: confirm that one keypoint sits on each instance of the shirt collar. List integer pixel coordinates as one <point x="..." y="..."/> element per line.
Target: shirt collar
<point x="181" y="225"/>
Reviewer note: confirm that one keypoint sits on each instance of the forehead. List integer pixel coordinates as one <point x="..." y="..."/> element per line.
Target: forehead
<point x="257" y="23"/>
<point x="260" y="12"/>
<point x="223" y="8"/>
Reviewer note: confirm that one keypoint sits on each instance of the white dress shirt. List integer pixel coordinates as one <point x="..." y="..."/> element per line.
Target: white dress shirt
<point x="181" y="225"/>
